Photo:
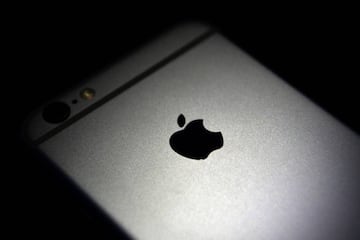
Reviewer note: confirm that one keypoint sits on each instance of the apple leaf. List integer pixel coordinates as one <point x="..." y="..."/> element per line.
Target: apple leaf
<point x="181" y="120"/>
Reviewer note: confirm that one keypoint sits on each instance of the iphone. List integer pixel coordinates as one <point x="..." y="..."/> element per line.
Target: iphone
<point x="192" y="138"/>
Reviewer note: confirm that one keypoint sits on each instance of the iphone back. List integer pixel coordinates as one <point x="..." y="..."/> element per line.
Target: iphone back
<point x="191" y="138"/>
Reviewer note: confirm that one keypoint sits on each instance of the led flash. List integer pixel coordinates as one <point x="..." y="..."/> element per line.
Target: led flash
<point x="87" y="94"/>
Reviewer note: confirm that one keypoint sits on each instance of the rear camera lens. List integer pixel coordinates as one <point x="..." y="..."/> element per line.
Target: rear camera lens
<point x="56" y="112"/>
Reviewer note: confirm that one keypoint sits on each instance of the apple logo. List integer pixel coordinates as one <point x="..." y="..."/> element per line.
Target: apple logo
<point x="195" y="141"/>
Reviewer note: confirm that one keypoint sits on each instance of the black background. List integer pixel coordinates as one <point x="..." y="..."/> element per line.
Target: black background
<point x="51" y="48"/>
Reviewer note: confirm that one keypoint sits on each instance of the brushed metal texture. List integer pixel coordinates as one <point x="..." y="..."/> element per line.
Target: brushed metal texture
<point x="287" y="170"/>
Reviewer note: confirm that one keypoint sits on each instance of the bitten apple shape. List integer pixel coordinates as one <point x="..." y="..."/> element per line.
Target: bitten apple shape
<point x="195" y="141"/>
